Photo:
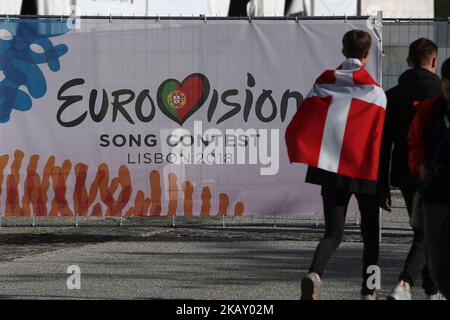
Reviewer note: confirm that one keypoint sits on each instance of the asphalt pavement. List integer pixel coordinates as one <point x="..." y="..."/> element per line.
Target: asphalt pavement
<point x="183" y="263"/>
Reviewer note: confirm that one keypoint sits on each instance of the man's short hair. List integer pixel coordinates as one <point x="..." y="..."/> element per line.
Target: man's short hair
<point x="421" y="51"/>
<point x="445" y="70"/>
<point x="356" y="43"/>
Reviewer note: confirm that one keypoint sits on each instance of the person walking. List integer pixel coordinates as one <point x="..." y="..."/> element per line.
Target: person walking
<point x="429" y="161"/>
<point x="416" y="84"/>
<point x="353" y="105"/>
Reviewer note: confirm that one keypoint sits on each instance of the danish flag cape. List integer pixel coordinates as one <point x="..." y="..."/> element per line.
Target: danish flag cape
<point x="338" y="127"/>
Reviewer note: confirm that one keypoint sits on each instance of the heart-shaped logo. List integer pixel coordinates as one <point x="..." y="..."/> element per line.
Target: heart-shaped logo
<point x="178" y="101"/>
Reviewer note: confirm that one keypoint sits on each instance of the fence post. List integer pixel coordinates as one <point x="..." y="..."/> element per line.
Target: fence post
<point x="380" y="58"/>
<point x="76" y="221"/>
<point x="381" y="227"/>
<point x="173" y="221"/>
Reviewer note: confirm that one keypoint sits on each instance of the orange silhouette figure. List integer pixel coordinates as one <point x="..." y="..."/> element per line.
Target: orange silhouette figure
<point x="3" y="162"/>
<point x="173" y="195"/>
<point x="188" y="189"/>
<point x="206" y="202"/>
<point x="155" y="184"/>
<point x="224" y="202"/>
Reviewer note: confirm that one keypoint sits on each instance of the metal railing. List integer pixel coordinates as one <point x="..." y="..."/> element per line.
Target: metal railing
<point x="397" y="36"/>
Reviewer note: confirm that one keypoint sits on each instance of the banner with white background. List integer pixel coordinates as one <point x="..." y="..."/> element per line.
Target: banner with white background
<point x="148" y="118"/>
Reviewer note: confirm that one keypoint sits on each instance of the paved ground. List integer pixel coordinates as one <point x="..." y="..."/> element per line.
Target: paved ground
<point x="252" y="261"/>
<point x="155" y="263"/>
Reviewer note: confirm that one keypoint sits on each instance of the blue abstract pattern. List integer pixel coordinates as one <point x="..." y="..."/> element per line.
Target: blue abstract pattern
<point x="19" y="61"/>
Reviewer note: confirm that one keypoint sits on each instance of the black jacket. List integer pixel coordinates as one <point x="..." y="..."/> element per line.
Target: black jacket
<point x="436" y="187"/>
<point x="340" y="182"/>
<point x="414" y="85"/>
<point x="438" y="147"/>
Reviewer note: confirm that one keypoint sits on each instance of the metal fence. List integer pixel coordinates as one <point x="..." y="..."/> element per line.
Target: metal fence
<point x="398" y="34"/>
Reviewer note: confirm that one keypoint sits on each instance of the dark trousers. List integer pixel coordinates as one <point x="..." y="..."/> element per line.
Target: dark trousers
<point x="437" y="228"/>
<point x="415" y="265"/>
<point x="335" y="203"/>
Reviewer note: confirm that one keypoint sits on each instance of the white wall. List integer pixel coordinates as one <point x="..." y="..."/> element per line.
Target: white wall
<point x="261" y="8"/>
<point x="335" y="7"/>
<point x="54" y="7"/>
<point x="390" y="8"/>
<point x="218" y="8"/>
<point x="10" y="6"/>
<point x="399" y="9"/>
<point x="154" y="7"/>
<point x="113" y="7"/>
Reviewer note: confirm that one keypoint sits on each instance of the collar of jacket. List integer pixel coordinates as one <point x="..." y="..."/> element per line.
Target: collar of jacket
<point x="417" y="74"/>
<point x="351" y="64"/>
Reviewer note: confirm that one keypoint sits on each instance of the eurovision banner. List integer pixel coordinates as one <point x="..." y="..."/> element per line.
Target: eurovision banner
<point x="158" y="118"/>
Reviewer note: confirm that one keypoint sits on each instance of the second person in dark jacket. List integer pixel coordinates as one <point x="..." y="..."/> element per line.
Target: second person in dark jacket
<point x="418" y="83"/>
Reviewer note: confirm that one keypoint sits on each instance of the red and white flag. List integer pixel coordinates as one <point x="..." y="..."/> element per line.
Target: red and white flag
<point x="338" y="127"/>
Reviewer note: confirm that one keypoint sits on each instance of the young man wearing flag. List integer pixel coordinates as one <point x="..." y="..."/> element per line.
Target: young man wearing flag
<point x="337" y="132"/>
<point x="429" y="161"/>
<point x="418" y="83"/>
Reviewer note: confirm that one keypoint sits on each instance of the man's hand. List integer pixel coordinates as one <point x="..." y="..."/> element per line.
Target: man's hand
<point x="385" y="201"/>
<point x="422" y="172"/>
<point x="425" y="173"/>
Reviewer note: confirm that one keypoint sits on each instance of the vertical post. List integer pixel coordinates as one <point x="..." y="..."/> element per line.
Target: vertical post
<point x="1" y="216"/>
<point x="380" y="41"/>
<point x="223" y="221"/>
<point x="380" y="219"/>
<point x="356" y="218"/>
<point x="33" y="220"/>
<point x="316" y="219"/>
<point x="173" y="221"/>
<point x="121" y="221"/>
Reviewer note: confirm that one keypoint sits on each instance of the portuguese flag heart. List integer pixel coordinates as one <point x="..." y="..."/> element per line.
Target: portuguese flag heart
<point x="178" y="101"/>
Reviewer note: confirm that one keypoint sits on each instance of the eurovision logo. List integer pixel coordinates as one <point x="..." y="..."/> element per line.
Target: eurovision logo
<point x="178" y="101"/>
